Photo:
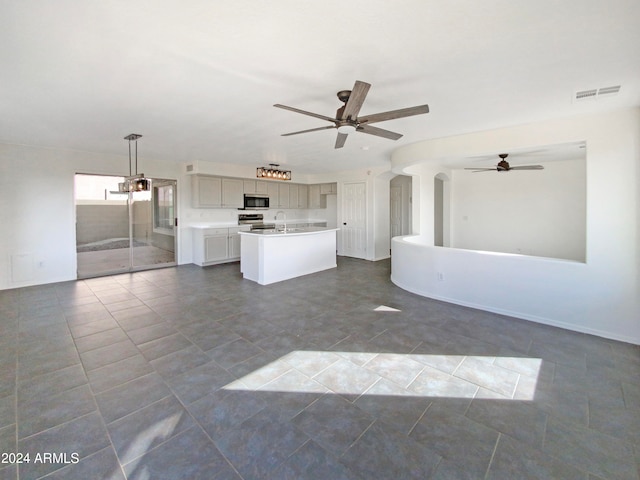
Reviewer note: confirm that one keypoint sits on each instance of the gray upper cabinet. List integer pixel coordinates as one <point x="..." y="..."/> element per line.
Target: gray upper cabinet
<point x="206" y="192"/>
<point x="209" y="191"/>
<point x="283" y="195"/>
<point x="303" y="196"/>
<point x="315" y="197"/>
<point x="293" y="195"/>
<point x="262" y="186"/>
<point x="216" y="192"/>
<point x="249" y="186"/>
<point x="272" y="191"/>
<point x="232" y="193"/>
<point x="298" y="196"/>
<point x="255" y="186"/>
<point x="328" y="188"/>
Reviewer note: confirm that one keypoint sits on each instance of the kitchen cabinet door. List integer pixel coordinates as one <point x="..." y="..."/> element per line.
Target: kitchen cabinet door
<point x="206" y="192"/>
<point x="249" y="186"/>
<point x="255" y="186"/>
<point x="262" y="186"/>
<point x="232" y="193"/>
<point x="293" y="196"/>
<point x="216" y="248"/>
<point x="283" y="196"/>
<point x="234" y="245"/>
<point x="272" y="191"/>
<point x="234" y="241"/>
<point x="303" y="196"/>
<point x="314" y="196"/>
<point x="328" y="188"/>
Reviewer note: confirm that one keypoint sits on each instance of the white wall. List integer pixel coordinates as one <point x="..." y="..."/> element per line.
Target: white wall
<point x="538" y="212"/>
<point x="37" y="240"/>
<point x="599" y="296"/>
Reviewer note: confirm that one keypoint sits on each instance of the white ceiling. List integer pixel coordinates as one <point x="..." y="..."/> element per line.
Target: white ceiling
<point x="198" y="78"/>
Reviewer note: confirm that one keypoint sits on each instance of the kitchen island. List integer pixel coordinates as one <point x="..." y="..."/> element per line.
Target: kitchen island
<point x="269" y="256"/>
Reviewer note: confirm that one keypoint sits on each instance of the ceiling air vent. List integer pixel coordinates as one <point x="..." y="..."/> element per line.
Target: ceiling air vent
<point x="585" y="94"/>
<point x="609" y="90"/>
<point x="595" y="93"/>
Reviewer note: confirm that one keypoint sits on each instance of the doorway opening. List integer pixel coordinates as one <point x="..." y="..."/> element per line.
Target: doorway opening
<point x="441" y="210"/>
<point x="400" y="205"/>
<point x="120" y="232"/>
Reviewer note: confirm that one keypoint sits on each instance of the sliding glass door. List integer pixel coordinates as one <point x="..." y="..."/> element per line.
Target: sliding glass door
<point x="123" y="231"/>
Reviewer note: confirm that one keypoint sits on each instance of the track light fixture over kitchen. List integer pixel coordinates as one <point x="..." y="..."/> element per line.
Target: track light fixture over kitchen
<point x="272" y="172"/>
<point x="134" y="182"/>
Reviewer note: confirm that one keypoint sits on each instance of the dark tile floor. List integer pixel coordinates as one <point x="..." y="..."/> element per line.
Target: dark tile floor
<point x="194" y="373"/>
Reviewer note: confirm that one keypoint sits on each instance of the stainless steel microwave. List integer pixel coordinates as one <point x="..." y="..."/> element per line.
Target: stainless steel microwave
<point x="256" y="201"/>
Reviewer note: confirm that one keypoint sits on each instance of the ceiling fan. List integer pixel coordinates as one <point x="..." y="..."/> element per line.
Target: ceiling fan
<point x="347" y="120"/>
<point x="503" y="166"/>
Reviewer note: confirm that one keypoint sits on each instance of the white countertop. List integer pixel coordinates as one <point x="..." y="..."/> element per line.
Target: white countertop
<point x="232" y="224"/>
<point x="289" y="232"/>
<point x="213" y="225"/>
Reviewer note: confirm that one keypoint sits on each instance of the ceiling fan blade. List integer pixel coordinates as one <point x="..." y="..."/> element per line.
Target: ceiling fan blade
<point x="403" y="112"/>
<point x="356" y="99"/>
<point x="342" y="137"/>
<point x="476" y="170"/>
<point x="306" y="131"/>
<point x="311" y="114"/>
<point x="528" y="167"/>
<point x="378" y="132"/>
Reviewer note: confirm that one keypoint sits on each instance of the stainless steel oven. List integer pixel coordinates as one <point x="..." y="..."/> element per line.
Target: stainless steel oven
<point x="256" y="220"/>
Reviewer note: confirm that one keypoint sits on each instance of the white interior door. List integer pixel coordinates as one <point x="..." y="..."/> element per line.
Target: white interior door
<point x="354" y="224"/>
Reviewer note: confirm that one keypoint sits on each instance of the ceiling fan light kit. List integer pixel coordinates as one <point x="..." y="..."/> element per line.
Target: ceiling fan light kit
<point x="347" y="121"/>
<point x="503" y="166"/>
<point x="273" y="172"/>
<point x="346" y="129"/>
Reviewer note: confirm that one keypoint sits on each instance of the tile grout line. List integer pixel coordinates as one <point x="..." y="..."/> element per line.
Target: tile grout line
<point x="493" y="454"/>
<point x="420" y="418"/>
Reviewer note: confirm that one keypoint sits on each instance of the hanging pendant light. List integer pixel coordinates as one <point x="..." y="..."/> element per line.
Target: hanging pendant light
<point x="135" y="182"/>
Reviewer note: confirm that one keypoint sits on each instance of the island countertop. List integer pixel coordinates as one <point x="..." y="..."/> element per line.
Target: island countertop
<point x="274" y="232"/>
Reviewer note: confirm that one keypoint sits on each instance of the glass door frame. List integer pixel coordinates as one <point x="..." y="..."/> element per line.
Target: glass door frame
<point x="134" y="265"/>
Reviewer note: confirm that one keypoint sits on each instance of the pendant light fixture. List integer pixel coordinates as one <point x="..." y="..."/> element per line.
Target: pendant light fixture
<point x="272" y="172"/>
<point x="134" y="182"/>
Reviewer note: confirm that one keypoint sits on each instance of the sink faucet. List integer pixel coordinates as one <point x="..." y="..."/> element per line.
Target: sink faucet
<point x="285" y="218"/>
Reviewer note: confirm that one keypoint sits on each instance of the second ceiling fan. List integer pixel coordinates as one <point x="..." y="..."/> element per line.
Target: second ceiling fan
<point x="347" y="120"/>
<point x="503" y="166"/>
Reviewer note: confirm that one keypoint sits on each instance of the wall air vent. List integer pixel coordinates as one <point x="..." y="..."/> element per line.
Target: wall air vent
<point x="595" y="93"/>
